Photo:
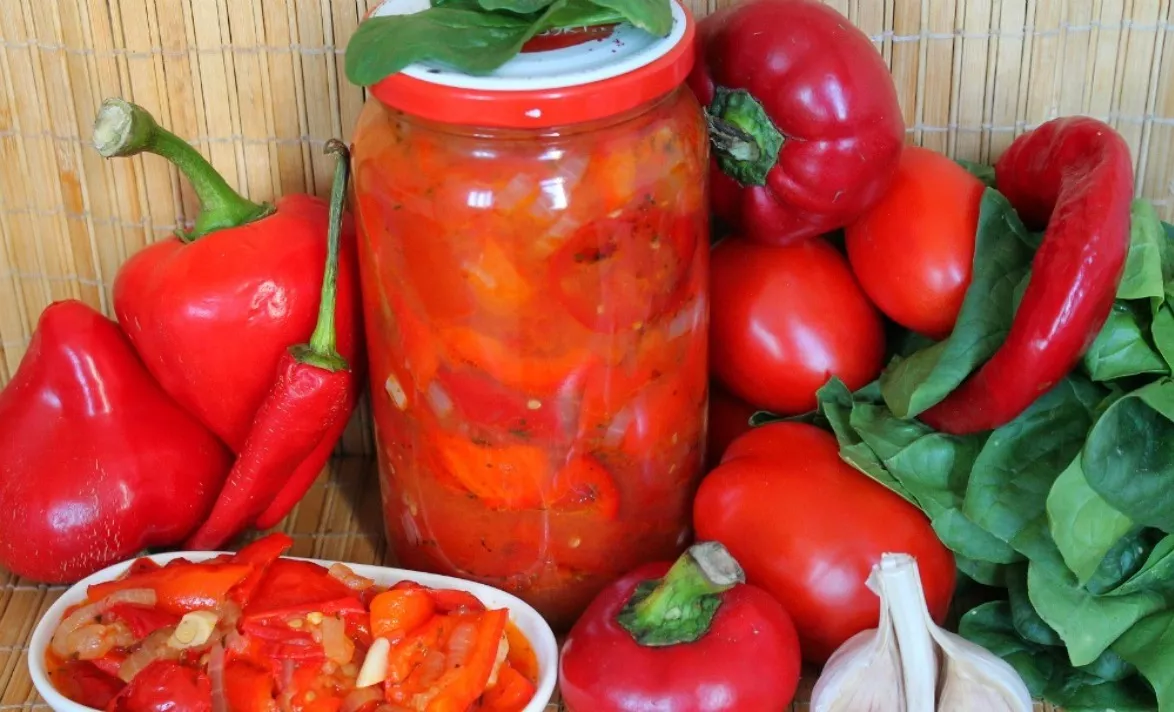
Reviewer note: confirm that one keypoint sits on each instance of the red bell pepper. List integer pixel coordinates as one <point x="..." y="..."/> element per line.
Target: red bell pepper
<point x="804" y="118"/>
<point x="212" y="311"/>
<point x="259" y="554"/>
<point x="666" y="638"/>
<point x="248" y="688"/>
<point x="310" y="398"/>
<point x="141" y="620"/>
<point x="181" y="586"/>
<point x="293" y="587"/>
<point x="96" y="462"/>
<point x="1075" y="176"/>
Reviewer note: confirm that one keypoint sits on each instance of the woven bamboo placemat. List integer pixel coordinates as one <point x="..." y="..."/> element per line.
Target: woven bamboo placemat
<point x="339" y="519"/>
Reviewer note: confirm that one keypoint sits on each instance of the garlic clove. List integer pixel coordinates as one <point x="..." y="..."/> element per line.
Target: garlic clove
<point x="374" y="669"/>
<point x="974" y="678"/>
<point x="900" y="590"/>
<point x="193" y="630"/>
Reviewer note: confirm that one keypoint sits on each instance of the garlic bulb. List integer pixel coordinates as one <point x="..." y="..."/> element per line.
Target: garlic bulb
<point x="909" y="664"/>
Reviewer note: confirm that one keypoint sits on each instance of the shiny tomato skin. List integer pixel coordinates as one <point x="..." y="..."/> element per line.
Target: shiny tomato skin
<point x="748" y="660"/>
<point x="808" y="528"/>
<point x="165" y="686"/>
<point x="784" y="320"/>
<point x="913" y="251"/>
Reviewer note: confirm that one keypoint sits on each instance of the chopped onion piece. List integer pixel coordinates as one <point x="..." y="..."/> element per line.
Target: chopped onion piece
<point x="374" y="670"/>
<point x="90" y="612"/>
<point x="353" y="581"/>
<point x="357" y="699"/>
<point x="337" y="646"/>
<point x="154" y="647"/>
<point x="216" y="675"/>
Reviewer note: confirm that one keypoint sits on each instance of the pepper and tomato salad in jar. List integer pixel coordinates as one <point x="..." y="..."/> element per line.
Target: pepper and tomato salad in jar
<point x="257" y="632"/>
<point x="533" y="252"/>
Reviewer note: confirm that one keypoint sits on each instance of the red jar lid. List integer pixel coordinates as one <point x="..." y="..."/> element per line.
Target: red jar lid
<point x="594" y="79"/>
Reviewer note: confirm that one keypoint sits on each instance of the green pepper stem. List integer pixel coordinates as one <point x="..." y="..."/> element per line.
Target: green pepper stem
<point x="732" y="140"/>
<point x="125" y="129"/>
<point x="679" y="608"/>
<point x="322" y="351"/>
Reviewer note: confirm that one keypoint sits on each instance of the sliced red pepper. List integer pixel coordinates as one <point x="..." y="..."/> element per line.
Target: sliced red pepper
<point x="460" y="687"/>
<point x="180" y="587"/>
<point x="111" y="662"/>
<point x="248" y="688"/>
<point x="259" y="554"/>
<point x="85" y="683"/>
<point x="141" y="620"/>
<point x="615" y="274"/>
<point x="293" y="588"/>
<point x="488" y="403"/>
<point x="165" y="686"/>
<point x="539" y="374"/>
<point x="584" y="483"/>
<point x="396" y="613"/>
<point x="142" y="565"/>
<point x="511" y="693"/>
<point x="313" y="693"/>
<point x="453" y="600"/>
<point x="503" y="477"/>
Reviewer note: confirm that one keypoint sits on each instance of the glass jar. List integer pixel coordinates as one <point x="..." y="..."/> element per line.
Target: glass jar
<point x="534" y="273"/>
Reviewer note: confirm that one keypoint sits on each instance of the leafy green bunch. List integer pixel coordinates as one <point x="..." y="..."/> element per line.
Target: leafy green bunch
<point x="478" y="36"/>
<point x="1067" y="512"/>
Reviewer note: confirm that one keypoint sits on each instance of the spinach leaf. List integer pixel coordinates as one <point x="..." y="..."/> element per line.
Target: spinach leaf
<point x="583" y="13"/>
<point x="1122" y="347"/>
<point x="1027" y="622"/>
<point x="1163" y="333"/>
<point x="1087" y="624"/>
<point x="521" y="7"/>
<point x="1083" y="525"/>
<point x="473" y="41"/>
<point x="982" y="571"/>
<point x="1149" y="645"/>
<point x="1147" y="268"/>
<point x="1156" y="574"/>
<point x="836" y="404"/>
<point x="1119" y="564"/>
<point x="1129" y="456"/>
<point x="655" y="16"/>
<point x="981" y="171"/>
<point x="1013" y="475"/>
<point x="1002" y="257"/>
<point x="991" y="626"/>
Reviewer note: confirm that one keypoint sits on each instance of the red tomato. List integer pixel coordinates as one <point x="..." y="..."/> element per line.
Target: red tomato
<point x="913" y="251"/>
<point x="729" y="418"/>
<point x="786" y="319"/>
<point x="808" y="528"/>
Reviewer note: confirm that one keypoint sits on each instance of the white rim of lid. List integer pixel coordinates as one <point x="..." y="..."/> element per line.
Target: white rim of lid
<point x="625" y="50"/>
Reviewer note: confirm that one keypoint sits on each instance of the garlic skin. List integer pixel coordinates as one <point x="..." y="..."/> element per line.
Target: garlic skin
<point x="909" y="664"/>
<point x="851" y="678"/>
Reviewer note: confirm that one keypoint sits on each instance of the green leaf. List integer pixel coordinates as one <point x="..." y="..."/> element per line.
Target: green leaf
<point x="1120" y="563"/>
<point x="1002" y="257"/>
<point x="1129" y="456"/>
<point x="1163" y="333"/>
<point x="1083" y="525"/>
<point x="1087" y="624"/>
<point x="1143" y="277"/>
<point x="473" y="41"/>
<point x="991" y="626"/>
<point x="967" y="539"/>
<point x="1028" y="623"/>
<point x="1156" y="574"/>
<point x="521" y="7"/>
<point x="983" y="572"/>
<point x="981" y="171"/>
<point x="1014" y="473"/>
<point x="583" y="13"/>
<point x="1149" y="645"/>
<point x="655" y="16"/>
<point x="1122" y="347"/>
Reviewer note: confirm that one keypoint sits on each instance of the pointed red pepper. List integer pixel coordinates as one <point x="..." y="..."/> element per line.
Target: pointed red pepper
<point x="212" y="311"/>
<point x="308" y="400"/>
<point x="96" y="461"/>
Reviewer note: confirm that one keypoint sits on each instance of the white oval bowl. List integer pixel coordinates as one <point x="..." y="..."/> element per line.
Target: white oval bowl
<point x="528" y="620"/>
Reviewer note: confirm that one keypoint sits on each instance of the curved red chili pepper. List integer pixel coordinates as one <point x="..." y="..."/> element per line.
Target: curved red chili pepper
<point x="1075" y="176"/>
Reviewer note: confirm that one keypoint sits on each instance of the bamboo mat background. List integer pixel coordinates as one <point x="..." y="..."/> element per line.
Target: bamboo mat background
<point x="258" y="87"/>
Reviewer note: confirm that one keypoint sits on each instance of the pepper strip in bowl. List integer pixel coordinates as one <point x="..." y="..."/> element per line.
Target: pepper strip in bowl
<point x="256" y="632"/>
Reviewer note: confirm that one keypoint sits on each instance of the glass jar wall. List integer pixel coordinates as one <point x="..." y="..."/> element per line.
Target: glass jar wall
<point x="536" y="311"/>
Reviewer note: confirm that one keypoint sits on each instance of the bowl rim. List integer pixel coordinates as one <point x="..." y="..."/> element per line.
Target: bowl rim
<point x="537" y="631"/>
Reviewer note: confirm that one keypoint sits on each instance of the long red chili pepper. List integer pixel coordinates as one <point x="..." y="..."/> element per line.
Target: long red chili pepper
<point x="307" y="401"/>
<point x="1075" y="176"/>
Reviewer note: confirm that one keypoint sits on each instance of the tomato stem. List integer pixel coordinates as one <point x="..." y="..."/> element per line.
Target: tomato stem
<point x="679" y="608"/>
<point x="125" y="129"/>
<point x="322" y="351"/>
